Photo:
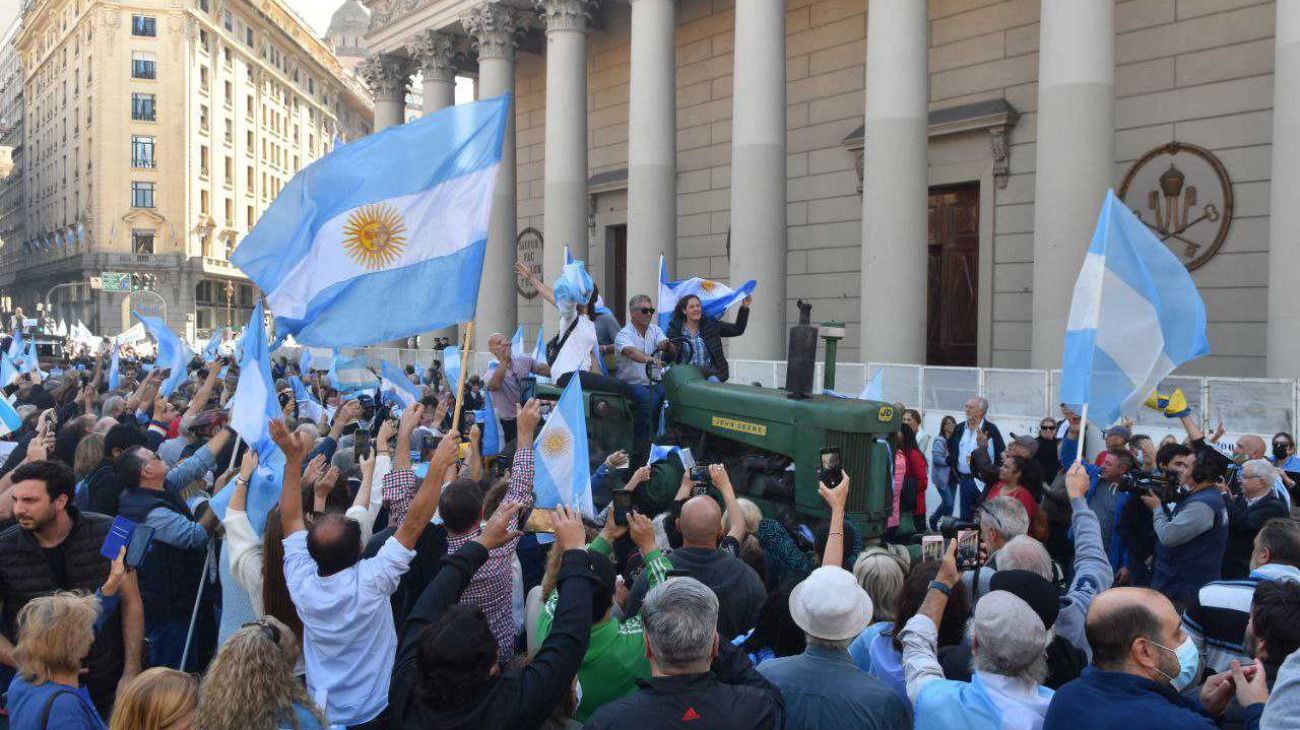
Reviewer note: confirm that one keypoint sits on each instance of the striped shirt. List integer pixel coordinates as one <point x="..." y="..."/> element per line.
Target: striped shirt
<point x="1216" y="619"/>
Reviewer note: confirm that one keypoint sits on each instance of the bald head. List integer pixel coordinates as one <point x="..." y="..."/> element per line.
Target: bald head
<point x="700" y="522"/>
<point x="1120" y="616"/>
<point x="1252" y="446"/>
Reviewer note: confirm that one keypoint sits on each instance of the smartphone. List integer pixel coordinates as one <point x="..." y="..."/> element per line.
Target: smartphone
<point x="540" y="520"/>
<point x="361" y="445"/>
<point x="700" y="475"/>
<point x="968" y="549"/>
<point x="932" y="547"/>
<point x="831" y="470"/>
<point x="138" y="547"/>
<point x="622" y="506"/>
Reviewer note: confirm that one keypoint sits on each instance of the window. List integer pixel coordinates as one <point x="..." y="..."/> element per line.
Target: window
<point x="142" y="241"/>
<point x="143" y="66"/>
<point x="144" y="25"/>
<point x="142" y="151"/>
<point x="230" y="172"/>
<point x="203" y="118"/>
<point x="230" y="213"/>
<point x="228" y="20"/>
<point x="203" y="202"/>
<point x="203" y="161"/>
<point x="230" y="94"/>
<point x="249" y="212"/>
<point x="203" y="41"/>
<point x="203" y="78"/>
<point x="143" y="108"/>
<point x="203" y="5"/>
<point x="248" y="36"/>
<point x="142" y="195"/>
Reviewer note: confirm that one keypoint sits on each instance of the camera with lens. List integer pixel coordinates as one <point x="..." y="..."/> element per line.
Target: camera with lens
<point x="950" y="526"/>
<point x="967" y="535"/>
<point x="1156" y="483"/>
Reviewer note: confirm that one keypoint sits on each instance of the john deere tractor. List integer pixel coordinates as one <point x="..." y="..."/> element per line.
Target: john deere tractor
<point x="769" y="439"/>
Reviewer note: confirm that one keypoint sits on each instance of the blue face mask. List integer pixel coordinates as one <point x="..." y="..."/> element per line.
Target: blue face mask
<point x="1189" y="660"/>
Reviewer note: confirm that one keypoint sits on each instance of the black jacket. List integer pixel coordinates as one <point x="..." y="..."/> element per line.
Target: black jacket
<point x="712" y="331"/>
<point x="954" y="444"/>
<point x="25" y="574"/>
<point x="517" y="698"/>
<point x="740" y="591"/>
<point x="102" y="491"/>
<point x="731" y="695"/>
<point x="1244" y="522"/>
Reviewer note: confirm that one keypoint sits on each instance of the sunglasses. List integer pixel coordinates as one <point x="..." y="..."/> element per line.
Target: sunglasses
<point x="267" y="629"/>
<point x="645" y="310"/>
<point x="1047" y="427"/>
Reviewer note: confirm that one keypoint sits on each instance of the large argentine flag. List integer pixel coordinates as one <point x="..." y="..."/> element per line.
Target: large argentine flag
<point x="563" y="475"/>
<point x="382" y="238"/>
<point x="715" y="298"/>
<point x="350" y="375"/>
<point x="393" y="382"/>
<point x="172" y="352"/>
<point x="1135" y="316"/>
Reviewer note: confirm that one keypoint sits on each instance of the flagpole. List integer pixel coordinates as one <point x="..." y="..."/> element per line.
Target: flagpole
<point x="460" y="380"/>
<point x="1083" y="431"/>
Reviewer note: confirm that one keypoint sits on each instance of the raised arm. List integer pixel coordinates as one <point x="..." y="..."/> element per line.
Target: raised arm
<point x="735" y="519"/>
<point x="204" y="393"/>
<point x="836" y="498"/>
<point x="475" y="453"/>
<point x="426" y="500"/>
<point x="542" y="287"/>
<point x="410" y="419"/>
<point x="294" y="446"/>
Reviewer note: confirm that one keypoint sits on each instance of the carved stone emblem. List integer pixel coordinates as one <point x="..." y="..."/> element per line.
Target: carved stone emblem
<point x="1183" y="193"/>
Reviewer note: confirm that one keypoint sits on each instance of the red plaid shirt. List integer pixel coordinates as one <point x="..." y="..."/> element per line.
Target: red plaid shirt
<point x="489" y="589"/>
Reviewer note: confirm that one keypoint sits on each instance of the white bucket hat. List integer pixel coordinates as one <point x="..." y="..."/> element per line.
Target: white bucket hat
<point x="830" y="605"/>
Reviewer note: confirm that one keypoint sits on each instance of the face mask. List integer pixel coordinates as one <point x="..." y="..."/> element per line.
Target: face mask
<point x="1280" y="453"/>
<point x="1189" y="660"/>
<point x="1239" y="459"/>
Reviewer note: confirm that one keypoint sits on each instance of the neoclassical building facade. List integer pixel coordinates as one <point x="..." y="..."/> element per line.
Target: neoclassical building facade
<point x="928" y="173"/>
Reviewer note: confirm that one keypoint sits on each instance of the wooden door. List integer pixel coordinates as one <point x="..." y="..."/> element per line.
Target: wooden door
<point x="616" y="280"/>
<point x="953" y="300"/>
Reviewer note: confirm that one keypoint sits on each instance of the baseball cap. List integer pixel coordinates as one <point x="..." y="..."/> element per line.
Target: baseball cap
<point x="1008" y="630"/>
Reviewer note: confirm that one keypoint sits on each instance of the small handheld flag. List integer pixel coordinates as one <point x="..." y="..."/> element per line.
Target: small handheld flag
<point x="560" y="451"/>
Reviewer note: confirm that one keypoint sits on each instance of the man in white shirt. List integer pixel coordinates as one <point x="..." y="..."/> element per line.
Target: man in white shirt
<point x="349" y="640"/>
<point x="638" y="343"/>
<point x="973" y="433"/>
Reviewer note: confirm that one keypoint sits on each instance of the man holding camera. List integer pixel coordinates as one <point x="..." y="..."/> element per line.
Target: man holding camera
<point x="1192" y="534"/>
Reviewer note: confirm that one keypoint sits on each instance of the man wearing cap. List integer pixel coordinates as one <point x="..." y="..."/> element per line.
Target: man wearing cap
<point x="1009" y="641"/>
<point x="822" y="687"/>
<point x="1141" y="661"/>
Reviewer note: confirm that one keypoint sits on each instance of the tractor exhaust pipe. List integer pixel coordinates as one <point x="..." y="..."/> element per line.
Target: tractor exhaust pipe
<point x="801" y="359"/>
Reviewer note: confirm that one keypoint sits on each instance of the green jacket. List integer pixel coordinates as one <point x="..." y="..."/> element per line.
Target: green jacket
<point x="615" y="659"/>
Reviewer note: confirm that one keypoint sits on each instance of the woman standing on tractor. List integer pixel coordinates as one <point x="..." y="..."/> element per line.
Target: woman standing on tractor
<point x="704" y="334"/>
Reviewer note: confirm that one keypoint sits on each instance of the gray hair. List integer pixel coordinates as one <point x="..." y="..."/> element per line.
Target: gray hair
<point x="1006" y="515"/>
<point x="344" y="461"/>
<point x="881" y="574"/>
<point x="840" y="645"/>
<point x="310" y="429"/>
<point x="112" y="404"/>
<point x="991" y="662"/>
<point x="1259" y="468"/>
<point x="982" y="404"/>
<point x="1025" y="553"/>
<point x="637" y="299"/>
<point x="681" y="619"/>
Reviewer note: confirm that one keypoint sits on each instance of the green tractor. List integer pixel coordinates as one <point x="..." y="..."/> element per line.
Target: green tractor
<point x="769" y="439"/>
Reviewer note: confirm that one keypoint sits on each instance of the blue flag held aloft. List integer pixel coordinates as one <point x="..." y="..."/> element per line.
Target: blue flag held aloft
<point x="213" y="348"/>
<point x="562" y="475"/>
<point x="10" y="421"/>
<point x="115" y="368"/>
<point x="350" y="375"/>
<point x="395" y="385"/>
<point x="715" y="297"/>
<point x="375" y="222"/>
<point x="307" y="404"/>
<point x="172" y="352"/>
<point x="490" y="426"/>
<point x="1136" y="316"/>
<point x="451" y="365"/>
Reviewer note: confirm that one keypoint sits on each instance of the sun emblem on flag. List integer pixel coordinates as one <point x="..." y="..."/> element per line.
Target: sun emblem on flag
<point x="374" y="235"/>
<point x="557" y="443"/>
<point x="707" y="286"/>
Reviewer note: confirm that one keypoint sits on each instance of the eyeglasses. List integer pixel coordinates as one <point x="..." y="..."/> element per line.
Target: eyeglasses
<point x="644" y="310"/>
<point x="1046" y="427"/>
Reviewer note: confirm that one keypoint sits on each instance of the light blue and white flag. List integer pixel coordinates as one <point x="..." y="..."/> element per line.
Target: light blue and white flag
<point x="1135" y="317"/>
<point x="539" y="352"/>
<point x="563" y="475"/>
<point x="490" y="427"/>
<point x="451" y="365"/>
<point x="661" y="453"/>
<point x="213" y="348"/>
<point x="393" y="382"/>
<point x="10" y="421"/>
<point x="9" y="371"/>
<point x="348" y="251"/>
<point x="875" y="387"/>
<point x="115" y="369"/>
<point x="715" y="298"/>
<point x="517" y="342"/>
<point x="172" y="352"/>
<point x="307" y="404"/>
<point x="32" y="361"/>
<point x="350" y="375"/>
<point x="304" y="361"/>
<point x="16" y="345"/>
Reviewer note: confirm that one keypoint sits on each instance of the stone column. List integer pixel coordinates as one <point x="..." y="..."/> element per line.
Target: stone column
<point x="652" y="146"/>
<point x="493" y="28"/>
<point x="564" y="209"/>
<point x="895" y="185"/>
<point x="1284" y="218"/>
<point x="388" y="78"/>
<point x="1076" y="156"/>
<point x="435" y="53"/>
<point x="758" y="235"/>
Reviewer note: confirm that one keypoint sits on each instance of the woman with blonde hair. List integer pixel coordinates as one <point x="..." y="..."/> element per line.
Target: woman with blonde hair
<point x="54" y="634"/>
<point x="90" y="451"/>
<point x="158" y="699"/>
<point x="250" y="684"/>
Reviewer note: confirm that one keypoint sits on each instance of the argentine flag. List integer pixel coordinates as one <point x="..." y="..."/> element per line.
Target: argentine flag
<point x="10" y="421"/>
<point x="383" y="238"/>
<point x="213" y="348"/>
<point x="304" y="361"/>
<point x="115" y="369"/>
<point x="539" y="352"/>
<point x="661" y="453"/>
<point x="715" y="298"/>
<point x="8" y="370"/>
<point x="875" y="387"/>
<point x="172" y="352"/>
<point x="350" y="375"/>
<point x="394" y="382"/>
<point x="563" y="473"/>
<point x="1135" y="317"/>
<point x="490" y="427"/>
<point x="451" y="365"/>
<point x="517" y="342"/>
<point x="307" y="404"/>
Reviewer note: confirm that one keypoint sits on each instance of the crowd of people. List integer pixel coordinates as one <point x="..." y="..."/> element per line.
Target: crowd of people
<point x="404" y="580"/>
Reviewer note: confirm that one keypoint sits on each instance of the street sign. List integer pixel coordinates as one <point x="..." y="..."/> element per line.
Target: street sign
<point x="115" y="281"/>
